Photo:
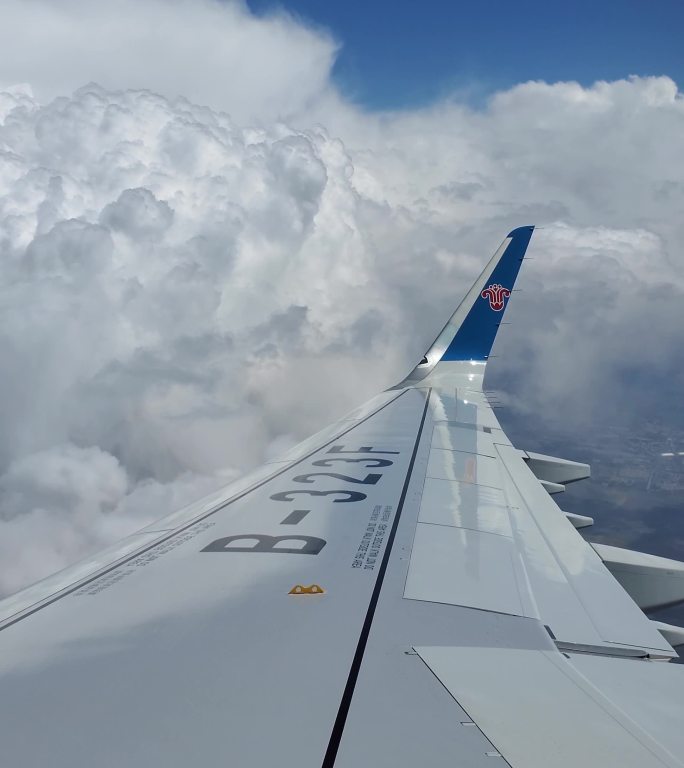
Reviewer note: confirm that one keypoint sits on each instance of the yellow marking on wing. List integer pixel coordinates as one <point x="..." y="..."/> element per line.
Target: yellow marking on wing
<point x="312" y="589"/>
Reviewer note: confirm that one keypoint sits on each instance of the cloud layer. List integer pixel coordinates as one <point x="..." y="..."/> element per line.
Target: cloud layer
<point x="212" y="50"/>
<point x="188" y="290"/>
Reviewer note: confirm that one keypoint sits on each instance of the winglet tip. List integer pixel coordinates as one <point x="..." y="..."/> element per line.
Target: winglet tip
<point x="528" y="229"/>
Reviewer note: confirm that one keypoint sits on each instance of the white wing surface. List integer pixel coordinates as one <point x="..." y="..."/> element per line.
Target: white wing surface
<point x="399" y="590"/>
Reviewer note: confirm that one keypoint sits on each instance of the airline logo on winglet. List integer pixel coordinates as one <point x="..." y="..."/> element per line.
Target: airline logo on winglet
<point x="497" y="295"/>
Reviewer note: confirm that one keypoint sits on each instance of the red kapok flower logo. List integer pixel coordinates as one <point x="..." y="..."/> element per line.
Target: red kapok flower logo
<point x="496" y="294"/>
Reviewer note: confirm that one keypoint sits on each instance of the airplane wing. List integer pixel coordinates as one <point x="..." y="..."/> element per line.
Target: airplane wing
<point x="399" y="590"/>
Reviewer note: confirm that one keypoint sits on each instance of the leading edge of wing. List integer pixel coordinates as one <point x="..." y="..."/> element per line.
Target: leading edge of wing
<point x="466" y="341"/>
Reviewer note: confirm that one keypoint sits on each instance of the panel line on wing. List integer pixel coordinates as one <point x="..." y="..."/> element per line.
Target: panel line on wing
<point x="465" y="528"/>
<point x="345" y="703"/>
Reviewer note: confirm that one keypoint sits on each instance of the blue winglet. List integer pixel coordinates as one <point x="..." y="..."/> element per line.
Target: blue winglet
<point x="474" y="338"/>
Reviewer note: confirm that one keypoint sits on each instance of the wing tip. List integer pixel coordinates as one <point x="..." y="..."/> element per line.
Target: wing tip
<point x="527" y="229"/>
<point x="470" y="333"/>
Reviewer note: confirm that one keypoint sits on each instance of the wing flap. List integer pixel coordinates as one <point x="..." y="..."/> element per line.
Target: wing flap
<point x="576" y="595"/>
<point x="489" y="536"/>
<point x="541" y="708"/>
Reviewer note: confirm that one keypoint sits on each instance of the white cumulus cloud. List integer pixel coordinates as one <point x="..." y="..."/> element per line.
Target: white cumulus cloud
<point x="212" y="50"/>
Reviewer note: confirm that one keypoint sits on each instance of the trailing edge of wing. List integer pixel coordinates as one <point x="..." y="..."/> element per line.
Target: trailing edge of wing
<point x="471" y="330"/>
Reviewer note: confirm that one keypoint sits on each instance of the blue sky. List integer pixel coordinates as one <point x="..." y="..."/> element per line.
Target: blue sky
<point x="396" y="55"/>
